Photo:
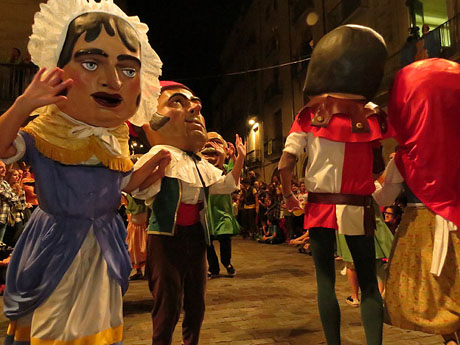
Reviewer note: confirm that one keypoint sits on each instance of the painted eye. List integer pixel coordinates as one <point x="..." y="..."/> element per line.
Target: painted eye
<point x="89" y="65"/>
<point x="129" y="72"/>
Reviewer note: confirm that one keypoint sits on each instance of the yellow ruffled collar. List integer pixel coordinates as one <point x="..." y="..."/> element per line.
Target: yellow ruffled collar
<point x="69" y="141"/>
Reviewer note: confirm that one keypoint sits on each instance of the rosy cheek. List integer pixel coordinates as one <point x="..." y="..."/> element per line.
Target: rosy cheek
<point x="134" y="86"/>
<point x="133" y="90"/>
<point x="76" y="76"/>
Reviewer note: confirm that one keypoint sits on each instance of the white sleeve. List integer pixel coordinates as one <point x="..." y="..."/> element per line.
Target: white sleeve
<point x="126" y="180"/>
<point x="20" y="146"/>
<point x="147" y="193"/>
<point x="225" y="185"/>
<point x="296" y="143"/>
<point x="153" y="189"/>
<point x="385" y="195"/>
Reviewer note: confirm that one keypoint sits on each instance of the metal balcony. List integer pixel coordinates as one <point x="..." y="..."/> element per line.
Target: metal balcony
<point x="13" y="81"/>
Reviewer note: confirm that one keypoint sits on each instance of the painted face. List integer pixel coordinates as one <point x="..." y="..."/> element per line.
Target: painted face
<point x="186" y="128"/>
<point x="106" y="88"/>
<point x="214" y="151"/>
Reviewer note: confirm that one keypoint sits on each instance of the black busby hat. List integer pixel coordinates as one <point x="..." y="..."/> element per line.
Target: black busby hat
<point x="349" y="59"/>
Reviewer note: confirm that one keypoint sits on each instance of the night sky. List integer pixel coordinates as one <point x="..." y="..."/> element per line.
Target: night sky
<point x="188" y="36"/>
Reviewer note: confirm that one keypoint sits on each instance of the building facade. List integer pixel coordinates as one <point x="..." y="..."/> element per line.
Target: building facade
<point x="275" y="33"/>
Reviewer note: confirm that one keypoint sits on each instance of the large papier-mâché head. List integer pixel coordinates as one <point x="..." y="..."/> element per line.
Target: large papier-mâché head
<point x="106" y="53"/>
<point x="185" y="127"/>
<point x="349" y="59"/>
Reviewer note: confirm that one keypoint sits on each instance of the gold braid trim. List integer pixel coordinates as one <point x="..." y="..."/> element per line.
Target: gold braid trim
<point x="67" y="156"/>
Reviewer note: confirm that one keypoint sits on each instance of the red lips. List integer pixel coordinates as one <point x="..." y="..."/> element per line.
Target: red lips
<point x="110" y="100"/>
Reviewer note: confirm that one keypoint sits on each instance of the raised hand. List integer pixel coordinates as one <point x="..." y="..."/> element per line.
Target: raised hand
<point x="240" y="147"/>
<point x="239" y="161"/>
<point x="45" y="90"/>
<point x="150" y="172"/>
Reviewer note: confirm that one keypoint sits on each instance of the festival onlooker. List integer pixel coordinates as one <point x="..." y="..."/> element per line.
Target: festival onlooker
<point x="250" y="208"/>
<point x="235" y="202"/>
<point x="137" y="214"/>
<point x="15" y="56"/>
<point x="392" y="216"/>
<point x="303" y="242"/>
<point x="9" y="202"/>
<point x="28" y="184"/>
<point x="17" y="218"/>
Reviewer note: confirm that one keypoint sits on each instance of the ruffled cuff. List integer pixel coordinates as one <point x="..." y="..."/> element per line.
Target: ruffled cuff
<point x="147" y="193"/>
<point x="20" y="146"/>
<point x="126" y="180"/>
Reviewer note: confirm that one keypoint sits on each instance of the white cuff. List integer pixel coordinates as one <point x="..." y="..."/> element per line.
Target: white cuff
<point x="126" y="180"/>
<point x="20" y="146"/>
<point x="225" y="185"/>
<point x="441" y="243"/>
<point x="147" y="193"/>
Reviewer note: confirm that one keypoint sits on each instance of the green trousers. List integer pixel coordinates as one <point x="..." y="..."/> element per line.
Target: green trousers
<point x="363" y="252"/>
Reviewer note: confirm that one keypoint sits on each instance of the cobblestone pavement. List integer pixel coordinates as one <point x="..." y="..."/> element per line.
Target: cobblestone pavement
<point x="271" y="300"/>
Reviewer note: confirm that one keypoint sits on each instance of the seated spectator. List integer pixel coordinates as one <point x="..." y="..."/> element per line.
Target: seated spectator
<point x="275" y="236"/>
<point x="302" y="242"/>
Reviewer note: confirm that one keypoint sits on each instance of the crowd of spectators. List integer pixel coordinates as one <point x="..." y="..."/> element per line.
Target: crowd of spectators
<point x="17" y="201"/>
<point x="262" y="214"/>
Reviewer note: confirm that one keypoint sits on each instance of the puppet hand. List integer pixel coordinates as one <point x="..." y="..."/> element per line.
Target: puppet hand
<point x="44" y="91"/>
<point x="240" y="147"/>
<point x="152" y="171"/>
<point x="159" y="162"/>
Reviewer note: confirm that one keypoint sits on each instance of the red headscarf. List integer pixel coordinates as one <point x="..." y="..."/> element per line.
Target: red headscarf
<point x="425" y="112"/>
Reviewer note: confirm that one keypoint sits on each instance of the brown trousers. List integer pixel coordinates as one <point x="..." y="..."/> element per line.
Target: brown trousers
<point x="176" y="271"/>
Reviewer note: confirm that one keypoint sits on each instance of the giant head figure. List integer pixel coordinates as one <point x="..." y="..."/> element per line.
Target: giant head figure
<point x="215" y="150"/>
<point x="178" y="122"/>
<point x="106" y="53"/>
<point x="349" y="59"/>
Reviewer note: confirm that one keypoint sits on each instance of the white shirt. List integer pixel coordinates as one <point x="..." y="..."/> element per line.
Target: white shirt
<point x="183" y="168"/>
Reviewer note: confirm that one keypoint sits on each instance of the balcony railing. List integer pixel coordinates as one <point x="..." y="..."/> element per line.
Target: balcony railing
<point x="14" y="79"/>
<point x="443" y="41"/>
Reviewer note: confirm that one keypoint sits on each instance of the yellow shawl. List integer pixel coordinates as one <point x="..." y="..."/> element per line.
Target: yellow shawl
<point x="54" y="139"/>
